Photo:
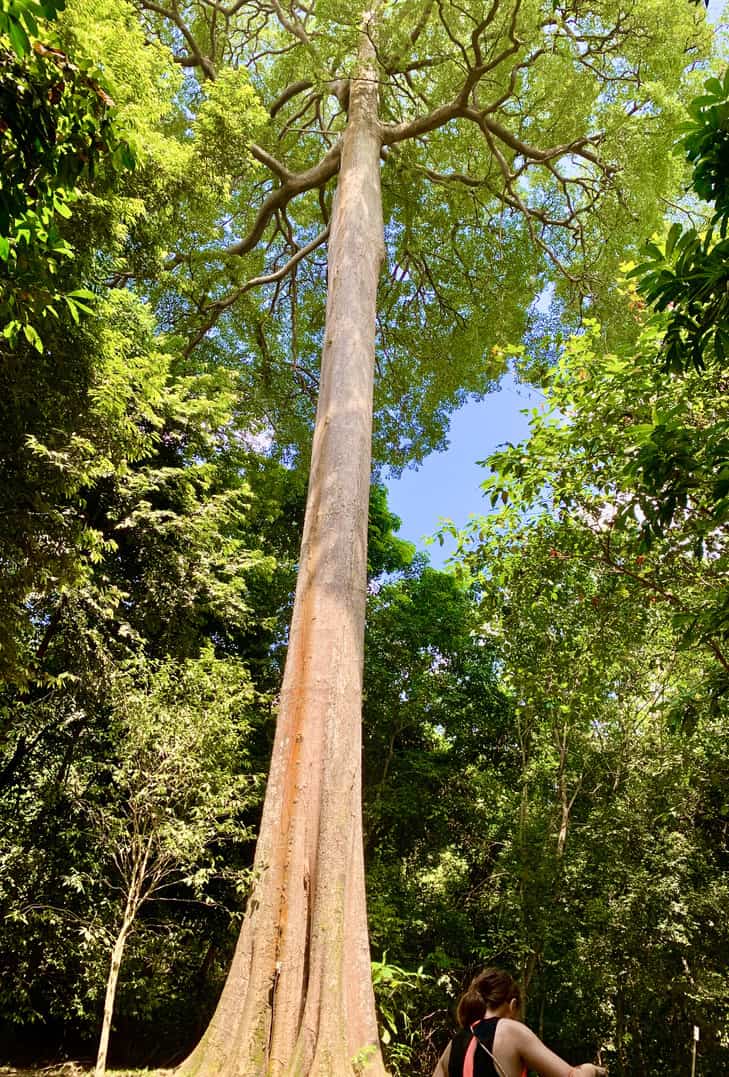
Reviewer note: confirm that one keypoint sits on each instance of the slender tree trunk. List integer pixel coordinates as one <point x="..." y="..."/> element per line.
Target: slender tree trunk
<point x="111" y="985"/>
<point x="298" y="1001"/>
<point x="620" y="1032"/>
<point x="564" y="802"/>
<point x="529" y="967"/>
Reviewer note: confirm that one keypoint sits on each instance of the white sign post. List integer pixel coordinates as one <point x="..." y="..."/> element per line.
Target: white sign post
<point x="693" y="1051"/>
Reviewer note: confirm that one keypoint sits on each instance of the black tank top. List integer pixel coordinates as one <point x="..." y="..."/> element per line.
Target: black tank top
<point x="482" y="1064"/>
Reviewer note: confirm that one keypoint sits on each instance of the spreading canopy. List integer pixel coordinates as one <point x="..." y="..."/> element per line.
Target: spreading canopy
<point x="521" y="140"/>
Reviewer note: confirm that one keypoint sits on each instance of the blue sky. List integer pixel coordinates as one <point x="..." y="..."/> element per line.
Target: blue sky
<point x="447" y="485"/>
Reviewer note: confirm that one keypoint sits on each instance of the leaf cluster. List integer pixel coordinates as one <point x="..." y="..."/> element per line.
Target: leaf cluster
<point x="687" y="276"/>
<point x="58" y="128"/>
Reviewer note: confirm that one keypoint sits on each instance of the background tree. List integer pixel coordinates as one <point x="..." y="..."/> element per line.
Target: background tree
<point x="128" y="533"/>
<point x="606" y="598"/>
<point x="436" y="735"/>
<point x="179" y="790"/>
<point x="606" y="859"/>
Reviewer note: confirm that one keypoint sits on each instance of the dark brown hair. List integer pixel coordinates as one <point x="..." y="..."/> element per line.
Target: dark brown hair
<point x="491" y="988"/>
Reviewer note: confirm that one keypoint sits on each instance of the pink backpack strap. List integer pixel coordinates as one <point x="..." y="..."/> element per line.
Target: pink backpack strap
<point x="468" y="1060"/>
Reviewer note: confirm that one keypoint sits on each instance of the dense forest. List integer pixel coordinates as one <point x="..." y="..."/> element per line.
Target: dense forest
<point x="218" y="220"/>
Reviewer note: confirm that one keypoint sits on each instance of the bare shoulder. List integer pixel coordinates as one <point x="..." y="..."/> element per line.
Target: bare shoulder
<point x="511" y="1031"/>
<point x="518" y="1038"/>
<point x="509" y="1045"/>
<point x="518" y="1032"/>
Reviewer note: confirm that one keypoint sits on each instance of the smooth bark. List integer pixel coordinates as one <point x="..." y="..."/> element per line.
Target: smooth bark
<point x="298" y="1001"/>
<point x="111" y="984"/>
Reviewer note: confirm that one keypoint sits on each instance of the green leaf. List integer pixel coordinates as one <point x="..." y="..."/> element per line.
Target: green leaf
<point x="672" y="238"/>
<point x="30" y="23"/>
<point x="19" y="39"/>
<point x="61" y="208"/>
<point x="73" y="308"/>
<point x="33" y="338"/>
<point x="51" y="8"/>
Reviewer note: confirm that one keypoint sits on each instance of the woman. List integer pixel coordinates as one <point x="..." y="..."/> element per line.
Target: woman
<point x="494" y="1043"/>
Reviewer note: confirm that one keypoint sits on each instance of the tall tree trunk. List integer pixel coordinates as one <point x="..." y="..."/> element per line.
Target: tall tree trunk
<point x="298" y="1001"/>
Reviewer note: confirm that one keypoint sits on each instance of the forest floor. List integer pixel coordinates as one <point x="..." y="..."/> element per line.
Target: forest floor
<point x="76" y="1069"/>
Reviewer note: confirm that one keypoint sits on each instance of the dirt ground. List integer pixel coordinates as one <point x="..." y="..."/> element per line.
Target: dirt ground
<point x="77" y="1069"/>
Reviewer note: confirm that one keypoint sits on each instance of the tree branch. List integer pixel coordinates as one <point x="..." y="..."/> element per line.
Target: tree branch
<point x="270" y="162"/>
<point x="195" y="58"/>
<point x="218" y="306"/>
<point x="291" y="90"/>
<point x="292" y="24"/>
<point x="293" y="185"/>
<point x="391" y="133"/>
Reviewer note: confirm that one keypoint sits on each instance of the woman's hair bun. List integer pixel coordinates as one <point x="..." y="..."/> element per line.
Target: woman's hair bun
<point x="489" y="989"/>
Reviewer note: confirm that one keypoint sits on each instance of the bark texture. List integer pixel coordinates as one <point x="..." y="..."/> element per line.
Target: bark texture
<point x="298" y="1001"/>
